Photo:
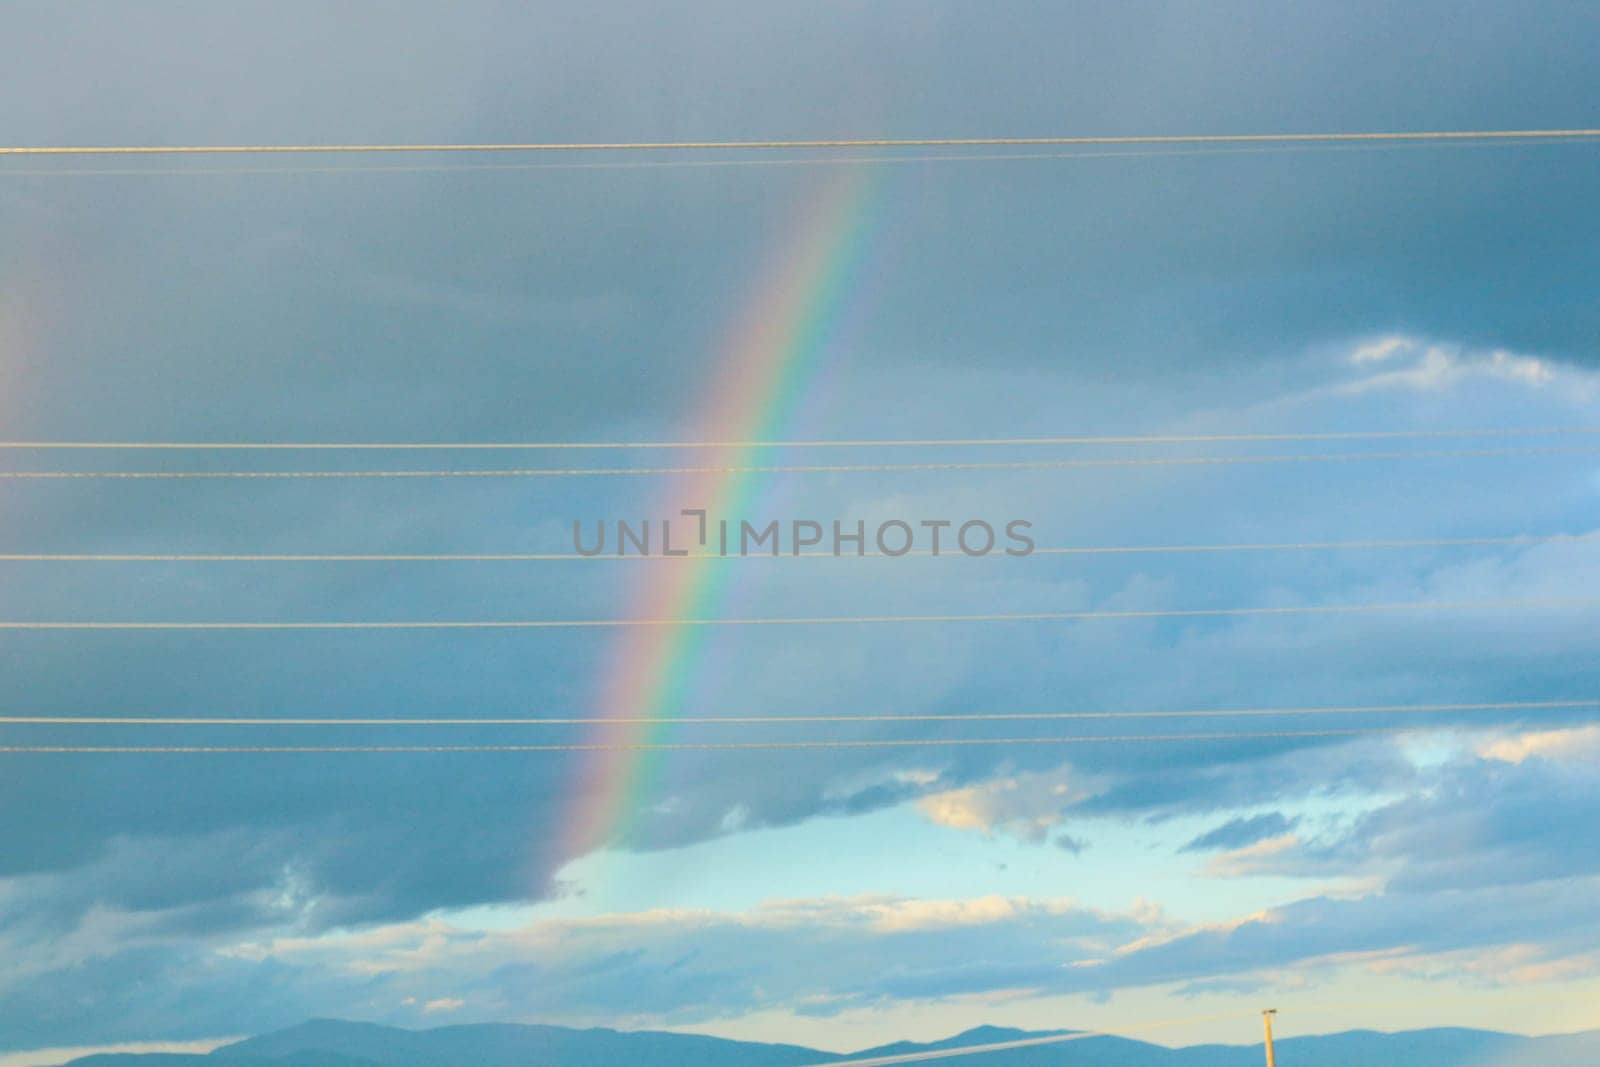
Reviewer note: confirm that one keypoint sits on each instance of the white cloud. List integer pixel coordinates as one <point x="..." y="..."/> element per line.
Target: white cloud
<point x="1251" y="859"/>
<point x="442" y="1004"/>
<point x="1027" y="806"/>
<point x="1503" y="364"/>
<point x="1581" y="744"/>
<point x="1508" y="965"/>
<point x="1440" y="367"/>
<point x="42" y="1057"/>
<point x="906" y="915"/>
<point x="1381" y="349"/>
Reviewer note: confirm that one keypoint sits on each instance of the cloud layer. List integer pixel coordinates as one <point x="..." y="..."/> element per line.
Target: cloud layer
<point x="1287" y="292"/>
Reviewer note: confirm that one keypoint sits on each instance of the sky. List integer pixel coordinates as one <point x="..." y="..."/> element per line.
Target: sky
<point x="1419" y="868"/>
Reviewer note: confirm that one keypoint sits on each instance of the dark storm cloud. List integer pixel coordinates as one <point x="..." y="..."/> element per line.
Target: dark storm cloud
<point x="577" y="302"/>
<point x="583" y="304"/>
<point x="381" y="836"/>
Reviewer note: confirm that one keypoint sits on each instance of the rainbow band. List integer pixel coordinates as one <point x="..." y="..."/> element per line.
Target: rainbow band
<point x="771" y="355"/>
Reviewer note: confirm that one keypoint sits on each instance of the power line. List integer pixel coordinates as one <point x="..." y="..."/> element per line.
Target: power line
<point x="503" y="557"/>
<point x="801" y="161"/>
<point x="835" y="468"/>
<point x="751" y="720"/>
<point x="919" y="142"/>
<point x="926" y="442"/>
<point x="737" y="746"/>
<point x="830" y="620"/>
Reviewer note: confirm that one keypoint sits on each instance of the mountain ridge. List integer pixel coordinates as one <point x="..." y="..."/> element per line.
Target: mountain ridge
<point x="341" y="1043"/>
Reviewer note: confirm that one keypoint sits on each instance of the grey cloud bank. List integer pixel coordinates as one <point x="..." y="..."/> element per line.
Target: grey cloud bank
<point x="1198" y="292"/>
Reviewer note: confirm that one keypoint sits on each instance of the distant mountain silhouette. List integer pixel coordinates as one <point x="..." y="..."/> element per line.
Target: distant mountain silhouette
<point x="334" y="1043"/>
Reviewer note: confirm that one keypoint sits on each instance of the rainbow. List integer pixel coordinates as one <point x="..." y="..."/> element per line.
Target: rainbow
<point x="771" y="354"/>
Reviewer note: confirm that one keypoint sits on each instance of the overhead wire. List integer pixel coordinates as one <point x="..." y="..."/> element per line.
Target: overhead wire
<point x="835" y="468"/>
<point x="733" y="746"/>
<point x="873" y="142"/>
<point x="785" y="161"/>
<point x="913" y="442"/>
<point x="500" y="557"/>
<point x="753" y="720"/>
<point x="831" y="620"/>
